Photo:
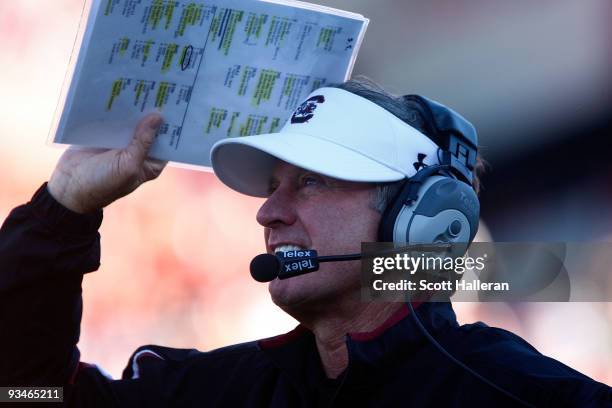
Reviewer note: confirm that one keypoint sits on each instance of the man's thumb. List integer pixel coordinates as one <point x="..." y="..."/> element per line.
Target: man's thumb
<point x="144" y="136"/>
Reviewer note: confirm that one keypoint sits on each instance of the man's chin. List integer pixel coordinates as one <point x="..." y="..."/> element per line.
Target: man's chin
<point x="314" y="292"/>
<point x="295" y="293"/>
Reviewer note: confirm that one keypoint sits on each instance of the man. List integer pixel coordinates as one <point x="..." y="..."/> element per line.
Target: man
<point x="328" y="177"/>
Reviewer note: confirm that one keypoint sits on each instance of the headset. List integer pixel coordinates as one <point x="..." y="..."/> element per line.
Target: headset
<point x="438" y="204"/>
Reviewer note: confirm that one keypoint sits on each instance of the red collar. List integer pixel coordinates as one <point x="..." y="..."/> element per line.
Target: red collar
<point x="298" y="331"/>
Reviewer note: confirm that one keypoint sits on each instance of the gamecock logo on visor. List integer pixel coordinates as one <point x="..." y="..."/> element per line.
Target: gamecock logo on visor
<point x="305" y="111"/>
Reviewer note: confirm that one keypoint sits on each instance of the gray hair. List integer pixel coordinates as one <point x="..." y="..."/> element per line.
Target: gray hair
<point x="384" y="193"/>
<point x="366" y="88"/>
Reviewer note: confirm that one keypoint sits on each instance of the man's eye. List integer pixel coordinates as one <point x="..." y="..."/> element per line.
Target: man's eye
<point x="310" y="181"/>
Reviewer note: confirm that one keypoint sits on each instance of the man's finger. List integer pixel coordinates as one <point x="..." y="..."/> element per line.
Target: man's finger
<point x="144" y="136"/>
<point x="153" y="168"/>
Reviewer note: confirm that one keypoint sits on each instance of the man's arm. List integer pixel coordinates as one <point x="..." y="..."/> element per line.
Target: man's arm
<point x="48" y="244"/>
<point x="44" y="251"/>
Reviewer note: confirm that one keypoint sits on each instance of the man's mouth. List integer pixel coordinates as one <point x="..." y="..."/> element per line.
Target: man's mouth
<point x="287" y="247"/>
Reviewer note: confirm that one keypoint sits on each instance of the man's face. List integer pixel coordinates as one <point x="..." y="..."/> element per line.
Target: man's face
<point x="313" y="211"/>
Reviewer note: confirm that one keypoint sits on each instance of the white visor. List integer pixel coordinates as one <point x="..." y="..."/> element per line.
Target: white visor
<point x="333" y="132"/>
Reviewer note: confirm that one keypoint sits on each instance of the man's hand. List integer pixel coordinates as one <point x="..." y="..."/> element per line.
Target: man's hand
<point x="87" y="179"/>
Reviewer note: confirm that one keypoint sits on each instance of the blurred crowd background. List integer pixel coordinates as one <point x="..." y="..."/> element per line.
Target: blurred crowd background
<point x="534" y="77"/>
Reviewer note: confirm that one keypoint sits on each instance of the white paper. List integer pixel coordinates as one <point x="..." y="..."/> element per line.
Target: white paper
<point x="212" y="69"/>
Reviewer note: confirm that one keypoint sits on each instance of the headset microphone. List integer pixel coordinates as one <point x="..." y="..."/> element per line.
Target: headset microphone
<point x="265" y="267"/>
<point x="283" y="265"/>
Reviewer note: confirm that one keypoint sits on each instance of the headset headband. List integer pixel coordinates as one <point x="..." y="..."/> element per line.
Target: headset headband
<point x="452" y="132"/>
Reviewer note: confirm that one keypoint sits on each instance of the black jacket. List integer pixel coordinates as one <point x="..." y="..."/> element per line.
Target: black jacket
<point x="45" y="250"/>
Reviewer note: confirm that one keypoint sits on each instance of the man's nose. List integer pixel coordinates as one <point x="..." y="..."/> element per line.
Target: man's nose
<point x="277" y="210"/>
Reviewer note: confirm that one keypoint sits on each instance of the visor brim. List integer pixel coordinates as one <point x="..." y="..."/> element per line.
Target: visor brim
<point x="245" y="164"/>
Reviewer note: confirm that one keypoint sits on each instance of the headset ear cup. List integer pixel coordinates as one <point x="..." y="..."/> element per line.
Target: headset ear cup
<point x="473" y="216"/>
<point x="447" y="210"/>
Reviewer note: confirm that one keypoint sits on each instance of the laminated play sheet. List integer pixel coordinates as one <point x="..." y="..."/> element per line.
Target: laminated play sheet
<point x="212" y="69"/>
